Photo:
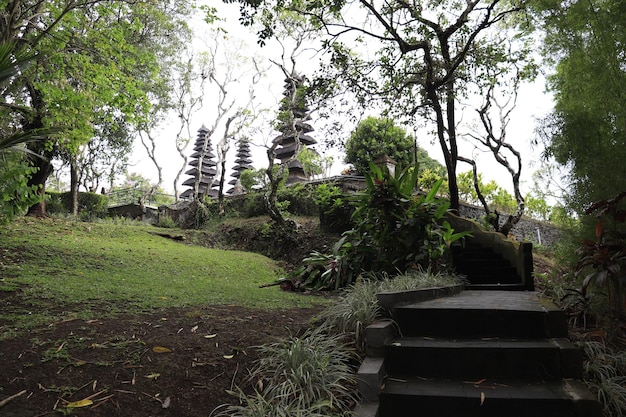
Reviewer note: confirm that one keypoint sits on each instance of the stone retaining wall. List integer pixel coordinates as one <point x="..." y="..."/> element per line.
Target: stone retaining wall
<point x="532" y="230"/>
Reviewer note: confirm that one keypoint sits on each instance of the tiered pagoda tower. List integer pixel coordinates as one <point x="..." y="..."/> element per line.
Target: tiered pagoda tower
<point x="202" y="169"/>
<point x="287" y="139"/>
<point x="243" y="162"/>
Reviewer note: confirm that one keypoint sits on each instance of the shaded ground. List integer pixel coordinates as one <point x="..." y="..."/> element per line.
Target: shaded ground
<point x="175" y="362"/>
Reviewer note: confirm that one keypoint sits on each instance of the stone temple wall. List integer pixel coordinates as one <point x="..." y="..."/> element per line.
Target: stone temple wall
<point x="532" y="230"/>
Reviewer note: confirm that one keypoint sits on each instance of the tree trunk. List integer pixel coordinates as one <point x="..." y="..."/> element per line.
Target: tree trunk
<point x="39" y="178"/>
<point x="269" y="199"/>
<point x="74" y="187"/>
<point x="220" y="193"/>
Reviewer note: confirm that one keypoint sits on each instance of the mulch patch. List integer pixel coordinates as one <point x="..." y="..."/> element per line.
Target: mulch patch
<point x="174" y="362"/>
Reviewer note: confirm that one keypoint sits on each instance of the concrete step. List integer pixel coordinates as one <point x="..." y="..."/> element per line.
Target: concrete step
<point x="480" y="314"/>
<point x="481" y="278"/>
<point x="486" y="398"/>
<point x="496" y="286"/>
<point x="545" y="359"/>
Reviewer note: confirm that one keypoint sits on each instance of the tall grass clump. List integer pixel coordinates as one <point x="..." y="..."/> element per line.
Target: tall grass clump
<point x="358" y="306"/>
<point x="315" y="374"/>
<point x="604" y="374"/>
<point x="312" y="375"/>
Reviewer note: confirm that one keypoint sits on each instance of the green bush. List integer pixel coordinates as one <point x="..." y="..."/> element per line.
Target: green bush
<point x="90" y="205"/>
<point x="298" y="200"/>
<point x="253" y="205"/>
<point x="395" y="230"/>
<point x="603" y="259"/>
<point x="301" y="199"/>
<point x="15" y="193"/>
<point x="166" y="222"/>
<point x="335" y="212"/>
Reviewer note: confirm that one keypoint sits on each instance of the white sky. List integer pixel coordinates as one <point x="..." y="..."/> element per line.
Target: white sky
<point x="532" y="103"/>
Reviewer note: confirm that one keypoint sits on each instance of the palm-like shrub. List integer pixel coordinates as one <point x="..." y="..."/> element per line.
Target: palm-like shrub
<point x="396" y="229"/>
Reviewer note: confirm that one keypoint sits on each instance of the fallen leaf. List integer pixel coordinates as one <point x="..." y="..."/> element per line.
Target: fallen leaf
<point x="210" y="336"/>
<point x="161" y="349"/>
<point x="482" y="398"/>
<point x="153" y="376"/>
<point x="166" y="402"/>
<point x="81" y="403"/>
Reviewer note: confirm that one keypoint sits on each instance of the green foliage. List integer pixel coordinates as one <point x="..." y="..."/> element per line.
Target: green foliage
<point x="497" y="197"/>
<point x="251" y="179"/>
<point x="297" y="200"/>
<point x="428" y="178"/>
<point x="395" y="230"/>
<point x="311" y="162"/>
<point x="376" y="137"/>
<point x="604" y="373"/>
<point x="585" y="44"/>
<point x="12" y="62"/>
<point x="254" y="205"/>
<point x="300" y="199"/>
<point x="334" y="209"/>
<point x="15" y="193"/>
<point x="603" y="260"/>
<point x="166" y="222"/>
<point x="536" y="207"/>
<point x="308" y="375"/>
<point x="101" y="69"/>
<point x="90" y="205"/>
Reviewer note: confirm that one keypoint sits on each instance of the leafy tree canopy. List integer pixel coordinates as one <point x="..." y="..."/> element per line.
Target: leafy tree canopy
<point x="375" y="137"/>
<point x="586" y="43"/>
<point x="98" y="63"/>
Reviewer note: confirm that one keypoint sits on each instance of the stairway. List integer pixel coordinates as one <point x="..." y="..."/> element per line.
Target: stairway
<point x="476" y="353"/>
<point x="485" y="269"/>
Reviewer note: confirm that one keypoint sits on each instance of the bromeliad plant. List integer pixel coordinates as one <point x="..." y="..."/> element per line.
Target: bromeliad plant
<point x="396" y="229"/>
<point x="603" y="260"/>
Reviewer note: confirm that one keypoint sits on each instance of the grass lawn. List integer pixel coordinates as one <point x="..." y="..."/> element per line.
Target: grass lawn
<point x="63" y="269"/>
